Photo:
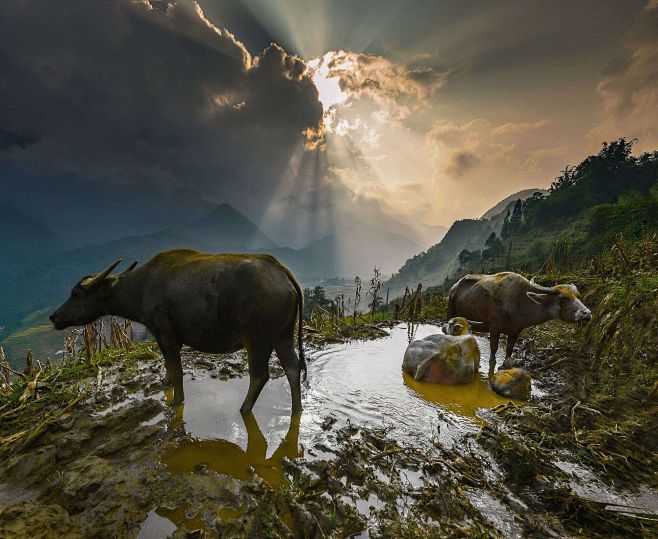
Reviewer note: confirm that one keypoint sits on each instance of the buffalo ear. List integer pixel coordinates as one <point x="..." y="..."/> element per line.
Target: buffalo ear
<point x="539" y="299"/>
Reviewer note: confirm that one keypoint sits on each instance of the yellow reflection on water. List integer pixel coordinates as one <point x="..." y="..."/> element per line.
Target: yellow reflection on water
<point x="180" y="517"/>
<point x="462" y="399"/>
<point x="225" y="457"/>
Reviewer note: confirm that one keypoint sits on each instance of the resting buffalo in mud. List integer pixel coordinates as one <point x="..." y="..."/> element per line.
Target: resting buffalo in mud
<point x="508" y="303"/>
<point x="450" y="358"/>
<point x="512" y="383"/>
<point x="214" y="303"/>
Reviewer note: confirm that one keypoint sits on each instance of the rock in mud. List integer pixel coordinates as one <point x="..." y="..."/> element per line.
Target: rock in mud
<point x="512" y="383"/>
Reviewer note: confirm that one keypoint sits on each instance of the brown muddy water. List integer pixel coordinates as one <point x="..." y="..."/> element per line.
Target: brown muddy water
<point x="358" y="384"/>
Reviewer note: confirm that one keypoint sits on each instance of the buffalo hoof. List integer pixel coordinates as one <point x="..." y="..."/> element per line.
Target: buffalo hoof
<point x="512" y="383"/>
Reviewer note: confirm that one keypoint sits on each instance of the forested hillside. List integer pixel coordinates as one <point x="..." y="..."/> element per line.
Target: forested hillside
<point x="611" y="196"/>
<point x="442" y="259"/>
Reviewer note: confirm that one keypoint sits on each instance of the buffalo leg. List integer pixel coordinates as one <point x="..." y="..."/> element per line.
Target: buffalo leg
<point x="289" y="446"/>
<point x="511" y="341"/>
<point x="256" y="442"/>
<point x="494" y="337"/>
<point x="259" y="374"/>
<point x="173" y="367"/>
<point x="285" y="350"/>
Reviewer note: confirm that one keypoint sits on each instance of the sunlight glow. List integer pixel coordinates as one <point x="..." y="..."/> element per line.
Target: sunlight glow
<point x="328" y="84"/>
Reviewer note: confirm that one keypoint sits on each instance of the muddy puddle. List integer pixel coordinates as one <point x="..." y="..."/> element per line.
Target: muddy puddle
<point x="355" y="384"/>
<point x="358" y="383"/>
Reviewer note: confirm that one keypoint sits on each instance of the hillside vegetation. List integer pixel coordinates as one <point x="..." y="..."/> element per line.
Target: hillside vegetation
<point x="589" y="207"/>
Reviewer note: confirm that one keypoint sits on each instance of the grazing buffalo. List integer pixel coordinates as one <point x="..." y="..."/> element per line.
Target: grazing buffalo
<point x="444" y="358"/>
<point x="508" y="303"/>
<point x="214" y="303"/>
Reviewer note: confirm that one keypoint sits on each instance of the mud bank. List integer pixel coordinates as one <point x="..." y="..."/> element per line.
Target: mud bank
<point x="373" y="454"/>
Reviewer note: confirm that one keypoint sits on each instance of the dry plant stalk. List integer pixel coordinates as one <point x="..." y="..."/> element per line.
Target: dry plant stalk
<point x="100" y="335"/>
<point x="415" y="303"/>
<point x="373" y="292"/>
<point x="29" y="367"/>
<point x="357" y="298"/>
<point x="5" y="384"/>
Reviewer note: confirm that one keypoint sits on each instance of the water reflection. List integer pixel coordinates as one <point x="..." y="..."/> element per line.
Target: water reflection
<point x="362" y="383"/>
<point x="462" y="399"/>
<point x="226" y="457"/>
<point x="359" y="383"/>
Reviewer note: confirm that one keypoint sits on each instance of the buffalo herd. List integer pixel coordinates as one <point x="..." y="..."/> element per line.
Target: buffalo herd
<point x="221" y="303"/>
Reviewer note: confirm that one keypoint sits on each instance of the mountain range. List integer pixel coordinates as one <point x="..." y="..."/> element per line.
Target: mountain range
<point x="432" y="266"/>
<point x="39" y="266"/>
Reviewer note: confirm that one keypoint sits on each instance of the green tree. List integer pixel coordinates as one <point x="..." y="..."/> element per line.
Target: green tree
<point x="314" y="297"/>
<point x="494" y="248"/>
<point x="517" y="215"/>
<point x="512" y="222"/>
<point x="505" y="232"/>
<point x="464" y="257"/>
<point x="537" y="252"/>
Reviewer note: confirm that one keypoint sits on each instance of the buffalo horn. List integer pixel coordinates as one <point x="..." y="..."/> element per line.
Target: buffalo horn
<point x="128" y="269"/>
<point x="98" y="278"/>
<point x="542" y="289"/>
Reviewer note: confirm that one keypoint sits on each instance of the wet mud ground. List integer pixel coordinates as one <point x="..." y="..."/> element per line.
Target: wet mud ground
<point x="373" y="454"/>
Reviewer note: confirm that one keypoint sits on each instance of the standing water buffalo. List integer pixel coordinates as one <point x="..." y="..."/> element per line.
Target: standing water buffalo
<point x="508" y="303"/>
<point x="214" y="303"/>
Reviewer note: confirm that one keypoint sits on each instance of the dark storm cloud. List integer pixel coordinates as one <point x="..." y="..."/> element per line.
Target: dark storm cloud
<point x="461" y="162"/>
<point x="9" y="140"/>
<point x="629" y="86"/>
<point x="122" y="93"/>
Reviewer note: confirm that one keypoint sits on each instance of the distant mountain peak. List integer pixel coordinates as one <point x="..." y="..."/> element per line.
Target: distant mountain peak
<point x="502" y="205"/>
<point x="227" y="227"/>
<point x="24" y="233"/>
<point x="225" y="208"/>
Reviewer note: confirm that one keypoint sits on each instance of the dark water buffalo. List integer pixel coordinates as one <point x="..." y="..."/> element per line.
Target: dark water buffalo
<point x="214" y="303"/>
<point x="508" y="303"/>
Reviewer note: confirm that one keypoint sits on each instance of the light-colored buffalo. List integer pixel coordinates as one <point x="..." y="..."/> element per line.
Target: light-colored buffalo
<point x="444" y="358"/>
<point x="214" y="303"/>
<point x="508" y="303"/>
<point x="511" y="383"/>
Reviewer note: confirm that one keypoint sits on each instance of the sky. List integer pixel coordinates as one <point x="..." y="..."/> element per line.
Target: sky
<point x="306" y="115"/>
